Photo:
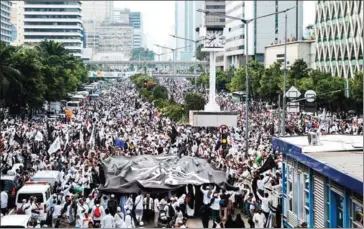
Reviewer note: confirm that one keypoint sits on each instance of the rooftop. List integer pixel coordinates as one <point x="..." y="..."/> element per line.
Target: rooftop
<point x="340" y="152"/>
<point x="329" y="143"/>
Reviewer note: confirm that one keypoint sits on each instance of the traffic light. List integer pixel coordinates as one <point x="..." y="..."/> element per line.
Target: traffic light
<point x="224" y="140"/>
<point x="145" y="83"/>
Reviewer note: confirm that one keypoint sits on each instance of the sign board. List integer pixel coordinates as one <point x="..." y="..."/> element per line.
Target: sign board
<point x="310" y="107"/>
<point x="293" y="93"/>
<point x="310" y="96"/>
<point x="293" y="107"/>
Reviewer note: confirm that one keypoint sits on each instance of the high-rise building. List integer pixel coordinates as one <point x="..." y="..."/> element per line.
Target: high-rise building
<point x="115" y="38"/>
<point x="215" y="6"/>
<point x="262" y="31"/>
<point x="187" y="19"/>
<point x="60" y="21"/>
<point x="94" y="13"/>
<point x="339" y="37"/>
<point x="135" y="20"/>
<point x="17" y="20"/>
<point x="6" y="27"/>
<point x="121" y="16"/>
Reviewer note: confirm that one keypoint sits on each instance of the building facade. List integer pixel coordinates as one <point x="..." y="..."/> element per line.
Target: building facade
<point x="187" y="19"/>
<point x="262" y="31"/>
<point x="135" y="20"/>
<point x="115" y="38"/>
<point x="6" y="27"/>
<point x="322" y="184"/>
<point x="121" y="16"/>
<point x="94" y="13"/>
<point x="216" y="6"/>
<point x="60" y="21"/>
<point x="339" y="37"/>
<point x="304" y="50"/>
<point x="17" y="20"/>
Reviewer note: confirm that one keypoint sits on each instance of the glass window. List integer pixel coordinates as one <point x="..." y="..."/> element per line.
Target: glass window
<point x="339" y="210"/>
<point x="289" y="193"/>
<point x="356" y="215"/>
<point x="327" y="210"/>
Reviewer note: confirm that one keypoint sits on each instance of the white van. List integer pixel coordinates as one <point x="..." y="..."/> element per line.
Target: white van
<point x="51" y="177"/>
<point x="73" y="105"/>
<point x="40" y="190"/>
<point x="16" y="221"/>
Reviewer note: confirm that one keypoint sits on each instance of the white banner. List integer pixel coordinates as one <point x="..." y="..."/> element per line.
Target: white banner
<point x="39" y="136"/>
<point x="56" y="145"/>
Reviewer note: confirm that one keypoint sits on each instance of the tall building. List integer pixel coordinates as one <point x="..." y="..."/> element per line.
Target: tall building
<point x="94" y="13"/>
<point x="17" y="20"/>
<point x="262" y="31"/>
<point x="339" y="37"/>
<point x="60" y="21"/>
<point x="115" y="38"/>
<point x="6" y="27"/>
<point x="216" y="6"/>
<point x="187" y="19"/>
<point x="121" y="16"/>
<point x="136" y="21"/>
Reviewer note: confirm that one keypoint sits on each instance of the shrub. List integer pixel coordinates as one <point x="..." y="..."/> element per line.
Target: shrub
<point x="194" y="101"/>
<point x="160" y="92"/>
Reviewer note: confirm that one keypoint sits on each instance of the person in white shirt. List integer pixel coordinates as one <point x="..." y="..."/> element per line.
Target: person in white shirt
<point x="4" y="202"/>
<point x="119" y="218"/>
<point x="139" y="207"/>
<point x="108" y="220"/>
<point x="57" y="210"/>
<point x="259" y="219"/>
<point x="265" y="203"/>
<point x="129" y="222"/>
<point x="94" y="216"/>
<point x="156" y="211"/>
<point x="215" y="206"/>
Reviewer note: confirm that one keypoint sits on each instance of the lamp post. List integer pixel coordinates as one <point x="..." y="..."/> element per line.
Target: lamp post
<point x="246" y="22"/>
<point x="174" y="53"/>
<point x="283" y="124"/>
<point x="194" y="41"/>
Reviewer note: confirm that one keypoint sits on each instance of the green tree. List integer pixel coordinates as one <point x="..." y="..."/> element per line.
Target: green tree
<point x="142" y="54"/>
<point x="160" y="92"/>
<point x="299" y="70"/>
<point x="194" y="101"/>
<point x="356" y="87"/>
<point x="27" y="62"/>
<point x="9" y="76"/>
<point x="203" y="80"/>
<point x="199" y="54"/>
<point x="221" y="80"/>
<point x="269" y="82"/>
<point x="256" y="72"/>
<point x="238" y="80"/>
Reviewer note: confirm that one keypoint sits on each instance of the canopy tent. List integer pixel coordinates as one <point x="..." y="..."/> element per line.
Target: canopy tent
<point x="158" y="173"/>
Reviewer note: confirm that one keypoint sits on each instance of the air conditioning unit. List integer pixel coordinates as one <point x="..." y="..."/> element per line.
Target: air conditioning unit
<point x="313" y="139"/>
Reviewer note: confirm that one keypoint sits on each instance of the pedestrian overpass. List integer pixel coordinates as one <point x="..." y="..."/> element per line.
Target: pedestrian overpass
<point x="158" y="69"/>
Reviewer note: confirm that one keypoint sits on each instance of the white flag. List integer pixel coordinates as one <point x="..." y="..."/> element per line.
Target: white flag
<point x="82" y="142"/>
<point x="39" y="136"/>
<point x="56" y="145"/>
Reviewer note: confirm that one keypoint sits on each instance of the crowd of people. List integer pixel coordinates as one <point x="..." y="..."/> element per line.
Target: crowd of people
<point x="122" y="115"/>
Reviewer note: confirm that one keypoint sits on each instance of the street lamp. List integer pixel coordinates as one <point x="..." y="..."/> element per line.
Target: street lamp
<point x="174" y="53"/>
<point x="161" y="54"/>
<point x="246" y="22"/>
<point x="194" y="41"/>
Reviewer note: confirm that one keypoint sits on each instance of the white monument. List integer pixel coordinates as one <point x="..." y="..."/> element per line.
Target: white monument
<point x="213" y="42"/>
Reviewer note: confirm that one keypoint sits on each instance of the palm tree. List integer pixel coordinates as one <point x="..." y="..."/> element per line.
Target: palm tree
<point x="51" y="48"/>
<point x="9" y="76"/>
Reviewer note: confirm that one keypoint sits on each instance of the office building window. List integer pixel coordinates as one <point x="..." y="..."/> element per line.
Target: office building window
<point x="356" y="214"/>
